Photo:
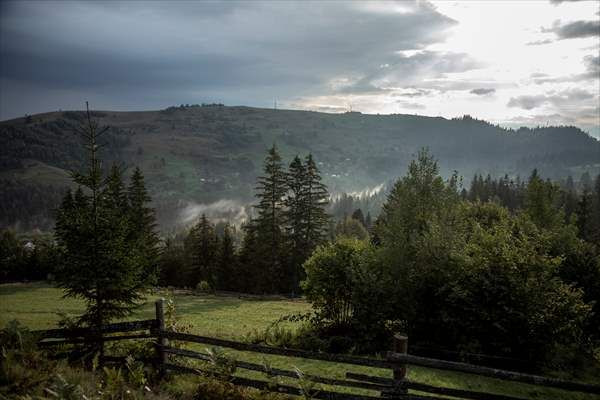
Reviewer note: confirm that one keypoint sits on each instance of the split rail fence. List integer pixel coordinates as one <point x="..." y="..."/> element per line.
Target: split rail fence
<point x="396" y="360"/>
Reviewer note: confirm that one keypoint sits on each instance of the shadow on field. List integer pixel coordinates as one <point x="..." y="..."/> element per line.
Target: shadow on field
<point x="189" y="305"/>
<point x="7" y="289"/>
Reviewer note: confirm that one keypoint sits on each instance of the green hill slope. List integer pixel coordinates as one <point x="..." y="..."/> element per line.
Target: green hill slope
<point x="203" y="154"/>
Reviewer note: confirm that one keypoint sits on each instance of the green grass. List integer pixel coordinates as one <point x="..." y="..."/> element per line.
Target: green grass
<point x="36" y="305"/>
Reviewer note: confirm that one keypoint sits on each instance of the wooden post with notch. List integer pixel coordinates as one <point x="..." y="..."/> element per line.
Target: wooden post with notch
<point x="162" y="342"/>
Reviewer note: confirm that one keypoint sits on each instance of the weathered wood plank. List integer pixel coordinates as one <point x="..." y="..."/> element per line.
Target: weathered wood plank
<point x="422" y="387"/>
<point x="111" y="328"/>
<point x="46" y="343"/>
<point x="493" y="373"/>
<point x="369" y="362"/>
<point x="281" y="372"/>
<point x="285" y="389"/>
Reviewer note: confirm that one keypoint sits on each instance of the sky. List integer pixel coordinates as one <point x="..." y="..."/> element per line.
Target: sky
<point x="509" y="62"/>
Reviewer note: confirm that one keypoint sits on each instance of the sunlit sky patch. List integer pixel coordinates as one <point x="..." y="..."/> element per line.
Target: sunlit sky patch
<point x="510" y="62"/>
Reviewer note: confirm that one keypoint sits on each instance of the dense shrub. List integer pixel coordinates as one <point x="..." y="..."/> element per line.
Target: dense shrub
<point x="329" y="279"/>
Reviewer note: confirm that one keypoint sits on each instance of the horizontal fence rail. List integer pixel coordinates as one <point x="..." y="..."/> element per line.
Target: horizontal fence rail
<point x="465" y="394"/>
<point x="279" y="388"/>
<point x="280" y="351"/>
<point x="396" y="361"/>
<point x="282" y="372"/>
<point x="493" y="373"/>
<point x="129" y="326"/>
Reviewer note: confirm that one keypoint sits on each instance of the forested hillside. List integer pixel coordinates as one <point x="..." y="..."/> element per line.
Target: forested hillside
<point x="194" y="156"/>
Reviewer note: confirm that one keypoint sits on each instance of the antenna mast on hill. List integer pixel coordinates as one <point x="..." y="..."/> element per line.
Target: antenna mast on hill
<point x="275" y="104"/>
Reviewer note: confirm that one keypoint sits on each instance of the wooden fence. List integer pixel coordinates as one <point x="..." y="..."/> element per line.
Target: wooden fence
<point x="396" y="360"/>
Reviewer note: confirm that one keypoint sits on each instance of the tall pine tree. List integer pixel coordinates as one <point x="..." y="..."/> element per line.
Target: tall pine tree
<point x="269" y="224"/>
<point x="295" y="215"/>
<point x="227" y="271"/>
<point x="316" y="200"/>
<point x="143" y="222"/>
<point x="204" y="250"/>
<point x="101" y="265"/>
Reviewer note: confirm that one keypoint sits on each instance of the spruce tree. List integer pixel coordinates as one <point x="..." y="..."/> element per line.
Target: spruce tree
<point x="585" y="214"/>
<point x="569" y="198"/>
<point x="101" y="265"/>
<point x="204" y="252"/>
<point x="250" y="264"/>
<point x="316" y="201"/>
<point x="541" y="200"/>
<point x="143" y="221"/>
<point x="295" y="220"/>
<point x="270" y="221"/>
<point x="359" y="216"/>
<point x="227" y="276"/>
<point x="307" y="220"/>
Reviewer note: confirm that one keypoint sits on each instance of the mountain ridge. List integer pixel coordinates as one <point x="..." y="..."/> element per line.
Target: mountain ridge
<point x="202" y="154"/>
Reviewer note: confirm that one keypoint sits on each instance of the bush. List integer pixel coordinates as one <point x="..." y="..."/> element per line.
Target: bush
<point x="203" y="287"/>
<point x="329" y="280"/>
<point x="347" y="287"/>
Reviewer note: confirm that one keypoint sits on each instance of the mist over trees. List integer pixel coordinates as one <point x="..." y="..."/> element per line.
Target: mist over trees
<point x="290" y="222"/>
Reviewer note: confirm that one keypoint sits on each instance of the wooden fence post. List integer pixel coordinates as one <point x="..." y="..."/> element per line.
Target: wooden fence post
<point x="160" y="353"/>
<point x="400" y="345"/>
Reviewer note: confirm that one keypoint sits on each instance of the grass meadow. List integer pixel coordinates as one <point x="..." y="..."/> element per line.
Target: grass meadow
<point x="38" y="306"/>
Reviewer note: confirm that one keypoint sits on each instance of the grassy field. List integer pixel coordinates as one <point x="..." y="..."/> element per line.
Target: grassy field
<point x="37" y="305"/>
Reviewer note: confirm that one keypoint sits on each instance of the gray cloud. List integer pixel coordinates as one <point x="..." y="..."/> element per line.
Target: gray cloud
<point x="527" y="102"/>
<point x="592" y="64"/>
<point x="412" y="93"/>
<point x="157" y="53"/>
<point x="574" y="30"/>
<point x="482" y="91"/>
<point x="592" y="72"/>
<point x="410" y="105"/>
<point x="566" y="97"/>
<point x="556" y="2"/>
<point x="402" y="70"/>
<point x="540" y="42"/>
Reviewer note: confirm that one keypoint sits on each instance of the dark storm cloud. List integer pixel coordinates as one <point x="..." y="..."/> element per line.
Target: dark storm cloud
<point x="240" y="52"/>
<point x="482" y="91"/>
<point x="576" y="29"/>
